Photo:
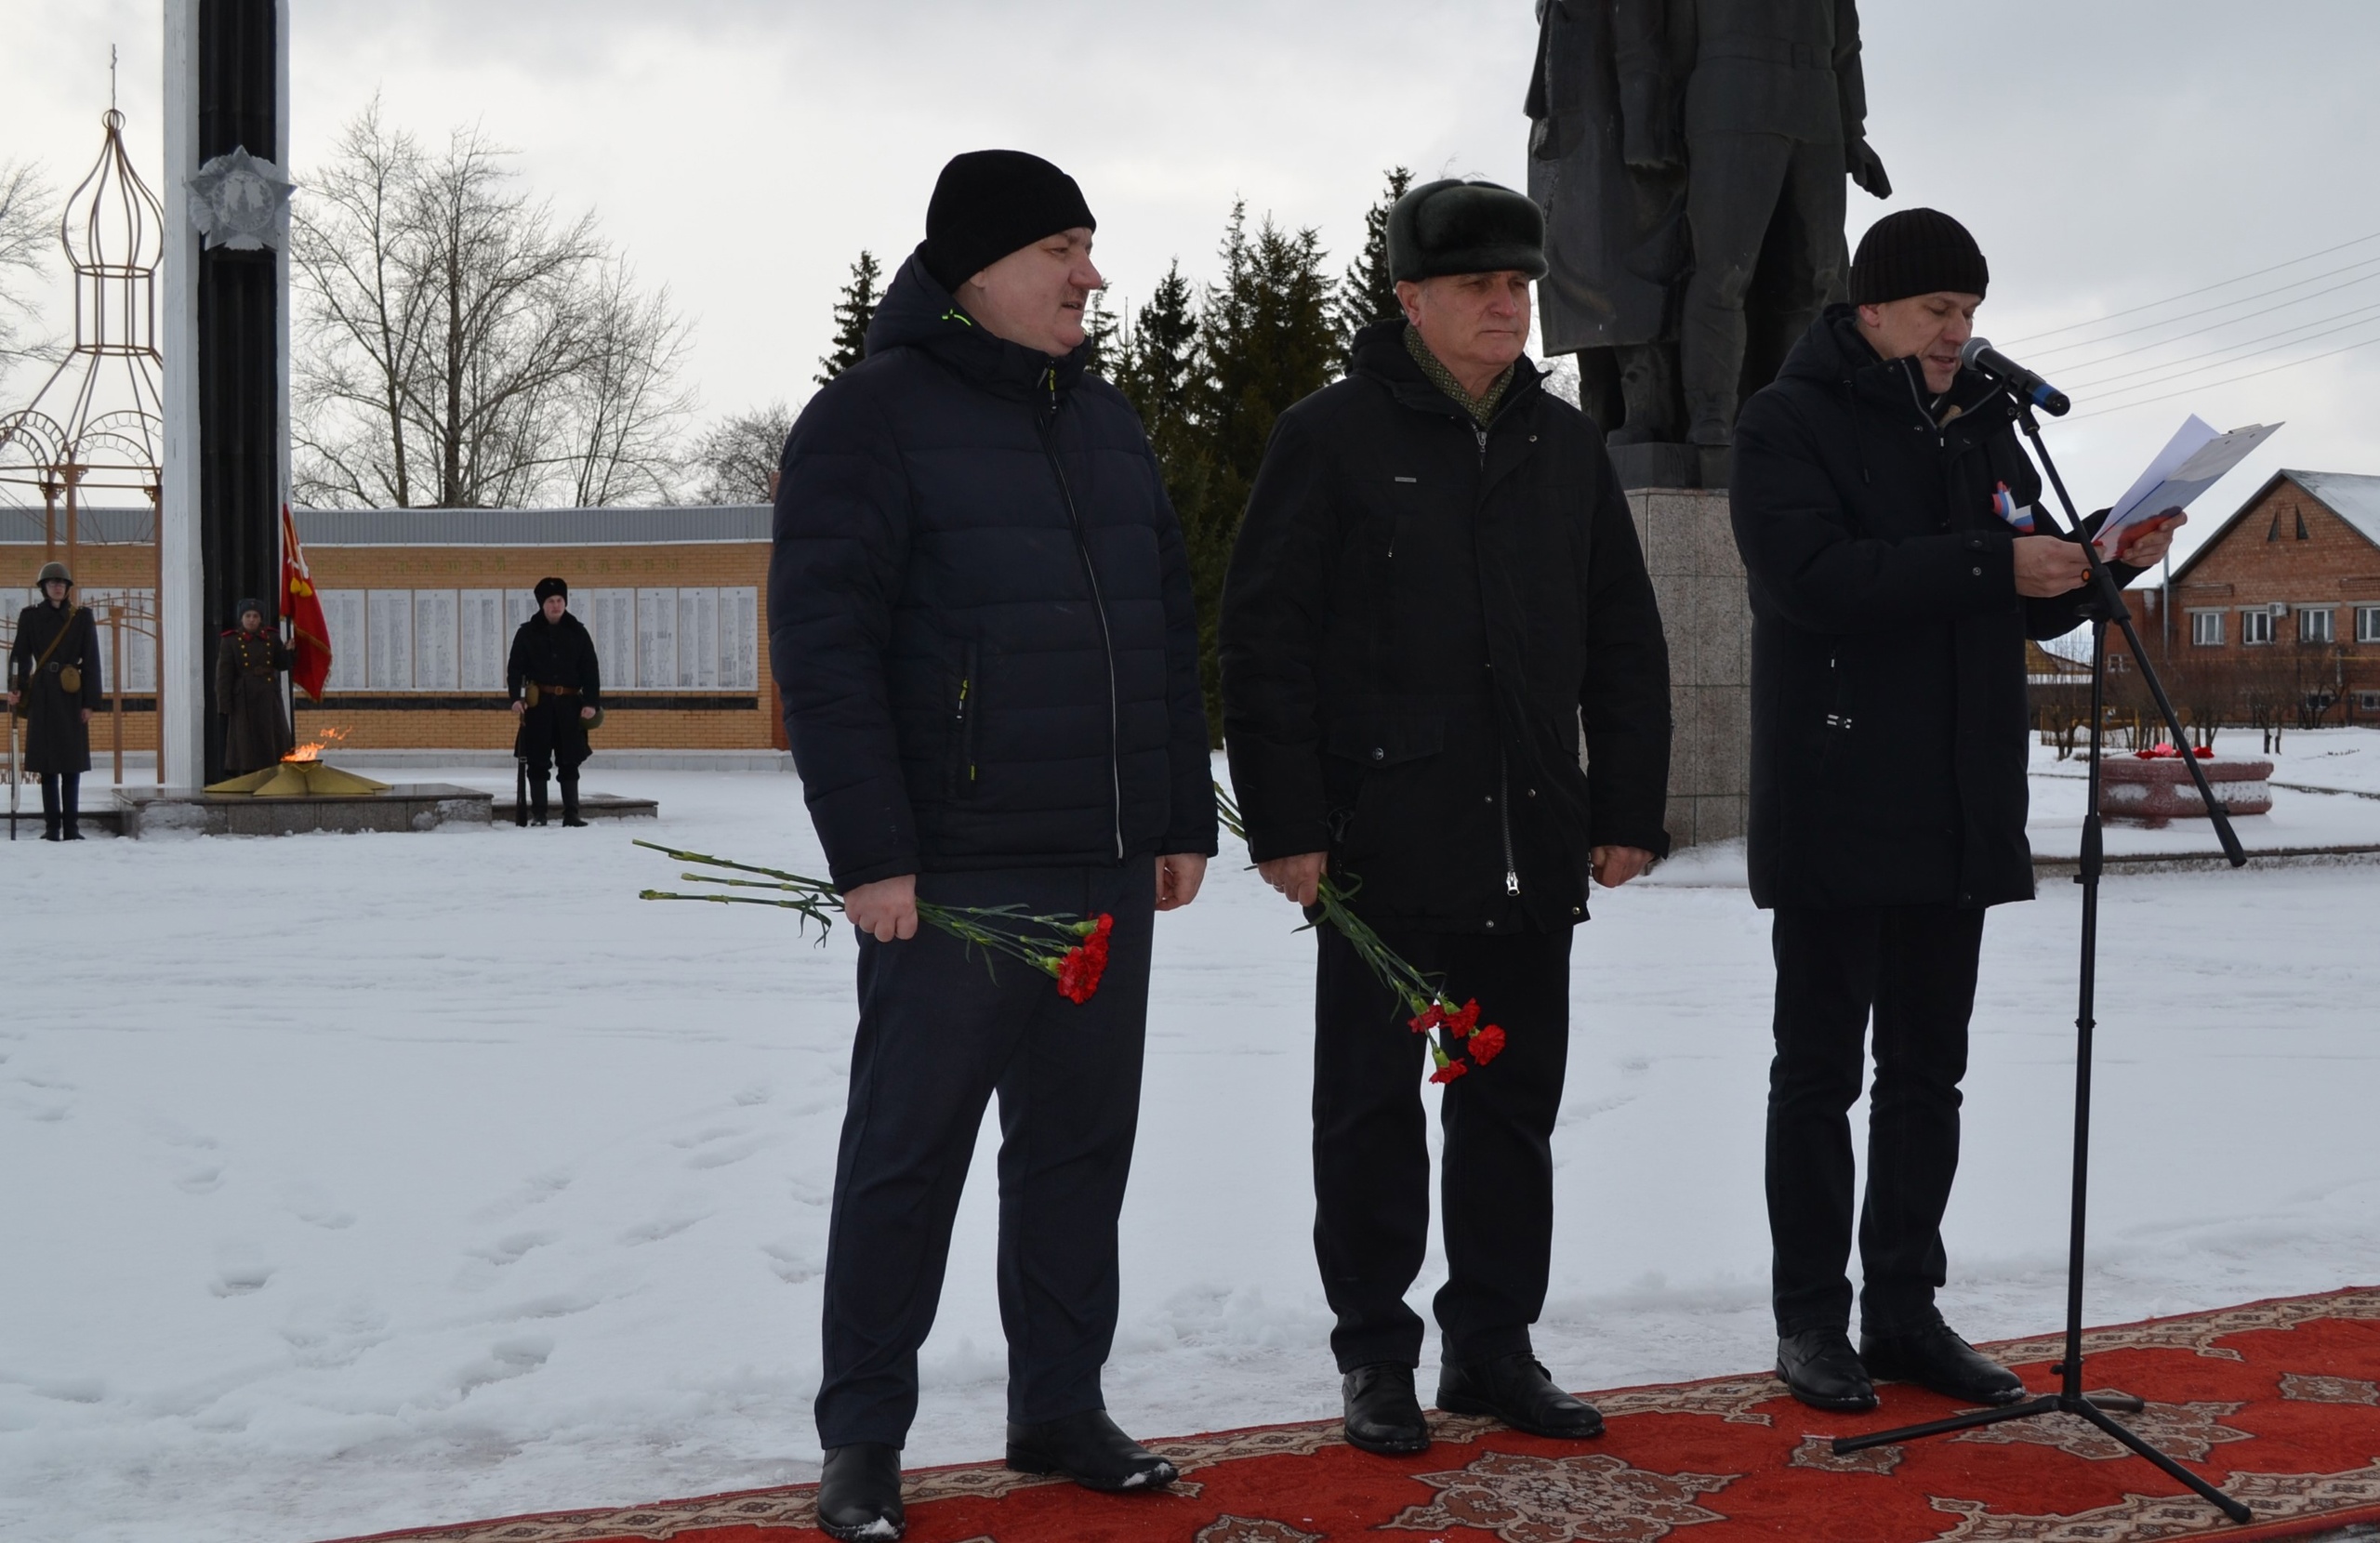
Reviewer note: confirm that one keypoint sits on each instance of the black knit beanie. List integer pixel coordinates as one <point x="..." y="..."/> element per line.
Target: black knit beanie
<point x="989" y="203"/>
<point x="549" y="587"/>
<point x="1916" y="252"/>
<point x="1458" y="227"/>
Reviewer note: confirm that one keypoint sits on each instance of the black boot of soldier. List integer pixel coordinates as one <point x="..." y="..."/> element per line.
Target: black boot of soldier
<point x="539" y="789"/>
<point x="69" y="799"/>
<point x="49" y="805"/>
<point x="570" y="800"/>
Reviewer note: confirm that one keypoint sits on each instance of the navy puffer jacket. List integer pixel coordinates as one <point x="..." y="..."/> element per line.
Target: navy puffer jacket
<point x="980" y="614"/>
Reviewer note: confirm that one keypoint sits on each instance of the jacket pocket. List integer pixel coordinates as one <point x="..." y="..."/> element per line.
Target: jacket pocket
<point x="1392" y="786"/>
<point x="964" y="711"/>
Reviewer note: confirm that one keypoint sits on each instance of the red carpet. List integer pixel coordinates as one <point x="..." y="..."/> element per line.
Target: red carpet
<point x="2279" y="1402"/>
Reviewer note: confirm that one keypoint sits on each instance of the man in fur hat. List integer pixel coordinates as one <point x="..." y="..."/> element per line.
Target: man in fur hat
<point x="556" y="690"/>
<point x="1438" y="581"/>
<point x="54" y="685"/>
<point x="249" y="662"/>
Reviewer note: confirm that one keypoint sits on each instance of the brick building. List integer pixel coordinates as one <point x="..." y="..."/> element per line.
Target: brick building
<point x="422" y="604"/>
<point x="2284" y="599"/>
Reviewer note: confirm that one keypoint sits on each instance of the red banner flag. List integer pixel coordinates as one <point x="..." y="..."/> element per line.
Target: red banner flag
<point x="310" y="635"/>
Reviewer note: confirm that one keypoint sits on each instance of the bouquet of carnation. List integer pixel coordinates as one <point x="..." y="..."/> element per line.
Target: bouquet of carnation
<point x="1070" y="949"/>
<point x="1458" y="1040"/>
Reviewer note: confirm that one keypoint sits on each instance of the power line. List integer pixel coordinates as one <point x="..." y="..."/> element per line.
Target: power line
<point x="2151" y="326"/>
<point x="2173" y="369"/>
<point x="2212" y="385"/>
<point x="2203" y="289"/>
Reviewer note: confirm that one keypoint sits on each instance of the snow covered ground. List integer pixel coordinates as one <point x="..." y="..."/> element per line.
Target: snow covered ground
<point x="355" y="1182"/>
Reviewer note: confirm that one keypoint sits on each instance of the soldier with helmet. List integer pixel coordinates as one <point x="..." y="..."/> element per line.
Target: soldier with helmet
<point x="54" y="686"/>
<point x="557" y="693"/>
<point x="249" y="660"/>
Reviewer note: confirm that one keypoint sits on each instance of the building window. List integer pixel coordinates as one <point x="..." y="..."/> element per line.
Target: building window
<point x="2367" y="701"/>
<point x="2314" y="624"/>
<point x="2206" y="628"/>
<point x="2367" y="624"/>
<point x="2255" y="627"/>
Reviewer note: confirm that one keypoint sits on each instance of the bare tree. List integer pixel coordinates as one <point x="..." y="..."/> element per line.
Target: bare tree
<point x="622" y="413"/>
<point x="462" y="346"/>
<point x="28" y="236"/>
<point x="737" y="457"/>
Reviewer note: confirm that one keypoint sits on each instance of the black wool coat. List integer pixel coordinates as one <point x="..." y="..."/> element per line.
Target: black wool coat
<point x="980" y="614"/>
<point x="1417" y="617"/>
<point x="1888" y="708"/>
<point x="56" y="737"/>
<point x="555" y="653"/>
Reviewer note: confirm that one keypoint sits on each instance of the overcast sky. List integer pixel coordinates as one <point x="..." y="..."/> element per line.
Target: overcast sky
<point x="2106" y="152"/>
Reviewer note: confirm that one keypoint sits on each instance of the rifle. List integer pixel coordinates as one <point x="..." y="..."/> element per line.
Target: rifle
<point x="520" y="790"/>
<point x="14" y="778"/>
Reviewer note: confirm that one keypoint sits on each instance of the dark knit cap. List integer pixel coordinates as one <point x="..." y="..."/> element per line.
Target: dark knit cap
<point x="989" y="203"/>
<point x="549" y="587"/>
<point x="1916" y="252"/>
<point x="1458" y="227"/>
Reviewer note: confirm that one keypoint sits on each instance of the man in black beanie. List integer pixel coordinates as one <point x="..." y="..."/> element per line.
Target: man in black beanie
<point x="1438" y="580"/>
<point x="1897" y="563"/>
<point x="980" y="617"/>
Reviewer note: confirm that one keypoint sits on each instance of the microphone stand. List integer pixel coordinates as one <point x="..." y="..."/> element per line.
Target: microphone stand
<point x="2107" y="604"/>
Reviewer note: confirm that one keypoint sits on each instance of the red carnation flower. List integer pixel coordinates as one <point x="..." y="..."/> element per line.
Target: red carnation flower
<point x="1448" y="1072"/>
<point x="1460" y="1023"/>
<point x="1487" y="1043"/>
<point x="1429" y="1018"/>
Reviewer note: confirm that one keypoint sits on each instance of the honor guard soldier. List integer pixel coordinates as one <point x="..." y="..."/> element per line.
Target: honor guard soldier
<point x="249" y="660"/>
<point x="558" y="693"/>
<point x="54" y="685"/>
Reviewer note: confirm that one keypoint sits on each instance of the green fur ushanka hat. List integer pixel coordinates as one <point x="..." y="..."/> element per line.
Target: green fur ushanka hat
<point x="1455" y="226"/>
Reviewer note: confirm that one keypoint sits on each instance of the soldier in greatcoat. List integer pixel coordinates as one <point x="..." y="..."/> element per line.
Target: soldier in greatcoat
<point x="54" y="685"/>
<point x="557" y="691"/>
<point x="249" y="660"/>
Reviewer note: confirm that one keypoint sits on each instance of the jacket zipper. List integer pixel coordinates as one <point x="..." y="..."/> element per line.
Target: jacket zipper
<point x="1503" y="758"/>
<point x="1048" y="429"/>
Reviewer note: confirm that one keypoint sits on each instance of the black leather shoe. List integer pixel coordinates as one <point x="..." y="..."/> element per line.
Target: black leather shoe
<point x="1935" y="1358"/>
<point x="574" y="822"/>
<point x="859" y="1494"/>
<point x="1089" y="1449"/>
<point x="1818" y="1368"/>
<point x="1383" y="1415"/>
<point x="1517" y="1391"/>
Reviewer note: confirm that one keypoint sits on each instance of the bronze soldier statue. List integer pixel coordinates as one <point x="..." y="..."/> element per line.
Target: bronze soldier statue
<point x="1690" y="155"/>
<point x="54" y="685"/>
<point x="249" y="660"/>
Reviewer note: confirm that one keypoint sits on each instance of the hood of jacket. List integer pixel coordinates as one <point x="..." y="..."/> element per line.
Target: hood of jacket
<point x="917" y="312"/>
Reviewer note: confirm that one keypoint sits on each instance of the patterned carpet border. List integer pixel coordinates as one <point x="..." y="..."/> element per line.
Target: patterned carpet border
<point x="1489" y="1496"/>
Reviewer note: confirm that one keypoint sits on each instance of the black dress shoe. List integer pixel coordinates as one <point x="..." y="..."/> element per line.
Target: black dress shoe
<point x="859" y="1494"/>
<point x="1818" y="1368"/>
<point x="1935" y="1358"/>
<point x="1517" y="1391"/>
<point x="574" y="822"/>
<point x="1383" y="1415"/>
<point x="1089" y="1449"/>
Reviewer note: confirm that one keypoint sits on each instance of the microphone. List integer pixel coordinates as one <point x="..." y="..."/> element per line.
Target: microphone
<point x="1979" y="354"/>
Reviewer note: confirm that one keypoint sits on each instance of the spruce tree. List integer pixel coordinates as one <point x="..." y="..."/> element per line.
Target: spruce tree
<point x="854" y="309"/>
<point x="1367" y="293"/>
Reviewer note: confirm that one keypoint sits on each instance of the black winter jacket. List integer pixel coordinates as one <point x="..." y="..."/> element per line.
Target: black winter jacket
<point x="1888" y="710"/>
<point x="554" y="654"/>
<point x="1415" y="619"/>
<point x="980" y="614"/>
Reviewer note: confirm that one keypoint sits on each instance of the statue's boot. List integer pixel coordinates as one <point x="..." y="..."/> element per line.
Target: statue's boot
<point x="1648" y="389"/>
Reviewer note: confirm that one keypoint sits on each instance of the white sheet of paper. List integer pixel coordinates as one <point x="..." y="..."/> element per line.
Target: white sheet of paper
<point x="2193" y="460"/>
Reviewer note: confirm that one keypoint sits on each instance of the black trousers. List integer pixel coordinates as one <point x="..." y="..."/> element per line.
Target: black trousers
<point x="61" y="802"/>
<point x="1750" y="194"/>
<point x="552" y="732"/>
<point x="938" y="1036"/>
<point x="1372" y="1157"/>
<point x="1914" y="967"/>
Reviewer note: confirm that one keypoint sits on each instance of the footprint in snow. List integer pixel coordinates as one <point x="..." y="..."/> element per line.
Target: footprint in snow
<point x="506" y="1360"/>
<point x="201" y="1180"/>
<point x="511" y="1247"/>
<point x="241" y="1280"/>
<point x="655" y="1231"/>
